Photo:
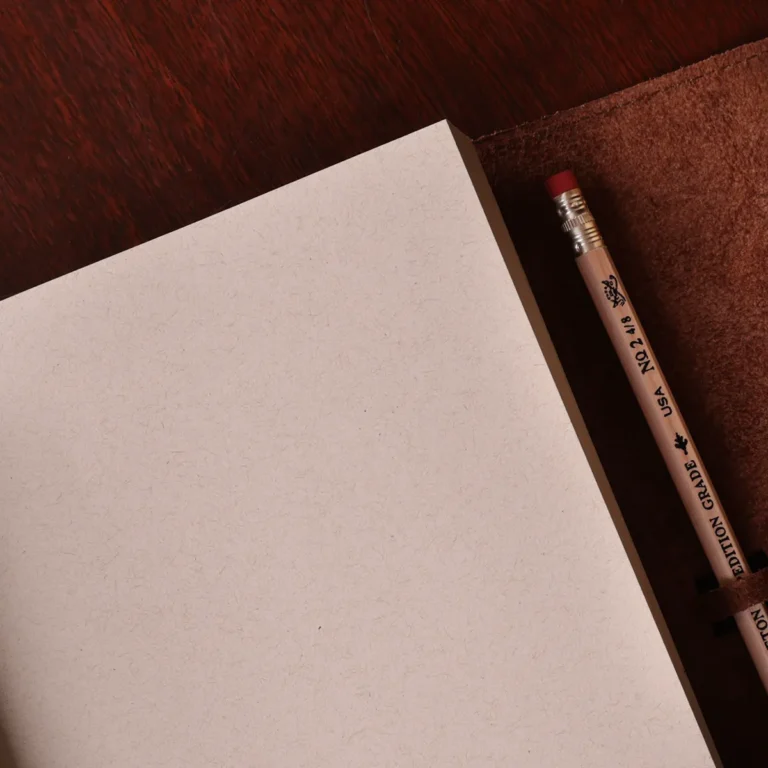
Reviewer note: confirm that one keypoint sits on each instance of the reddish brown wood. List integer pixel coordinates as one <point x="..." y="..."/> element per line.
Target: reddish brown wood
<point x="124" y="119"/>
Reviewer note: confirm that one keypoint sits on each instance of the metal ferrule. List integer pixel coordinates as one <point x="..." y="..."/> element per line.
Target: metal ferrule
<point x="578" y="222"/>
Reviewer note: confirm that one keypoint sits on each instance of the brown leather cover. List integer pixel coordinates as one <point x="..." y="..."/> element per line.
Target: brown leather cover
<point x="676" y="172"/>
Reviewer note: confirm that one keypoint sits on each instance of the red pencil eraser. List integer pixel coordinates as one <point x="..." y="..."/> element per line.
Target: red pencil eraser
<point x="561" y="182"/>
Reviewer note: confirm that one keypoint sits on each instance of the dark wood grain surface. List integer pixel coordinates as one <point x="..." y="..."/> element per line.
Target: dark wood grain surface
<point x="124" y="119"/>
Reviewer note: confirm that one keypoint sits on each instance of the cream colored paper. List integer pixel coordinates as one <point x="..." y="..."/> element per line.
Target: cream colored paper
<point x="293" y="488"/>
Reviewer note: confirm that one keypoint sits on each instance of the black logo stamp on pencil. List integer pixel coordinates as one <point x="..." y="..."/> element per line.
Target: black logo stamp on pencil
<point x="681" y="443"/>
<point x="612" y="292"/>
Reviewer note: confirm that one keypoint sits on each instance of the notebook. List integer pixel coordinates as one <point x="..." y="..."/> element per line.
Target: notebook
<point x="296" y="486"/>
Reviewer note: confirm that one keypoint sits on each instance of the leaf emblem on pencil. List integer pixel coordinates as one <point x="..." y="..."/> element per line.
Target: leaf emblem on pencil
<point x="612" y="292"/>
<point x="681" y="443"/>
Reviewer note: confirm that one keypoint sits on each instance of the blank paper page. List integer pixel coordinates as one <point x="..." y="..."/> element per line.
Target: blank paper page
<point x="293" y="487"/>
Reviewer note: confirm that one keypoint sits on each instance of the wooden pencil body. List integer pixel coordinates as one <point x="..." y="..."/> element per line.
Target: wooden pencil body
<point x="674" y="440"/>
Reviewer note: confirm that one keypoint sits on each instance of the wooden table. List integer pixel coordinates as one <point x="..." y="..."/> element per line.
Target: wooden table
<point x="124" y="119"/>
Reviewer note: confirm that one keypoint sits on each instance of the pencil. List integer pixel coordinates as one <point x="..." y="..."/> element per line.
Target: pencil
<point x="659" y="406"/>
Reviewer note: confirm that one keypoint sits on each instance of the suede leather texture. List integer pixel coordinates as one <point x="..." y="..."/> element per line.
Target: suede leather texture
<point x="675" y="171"/>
